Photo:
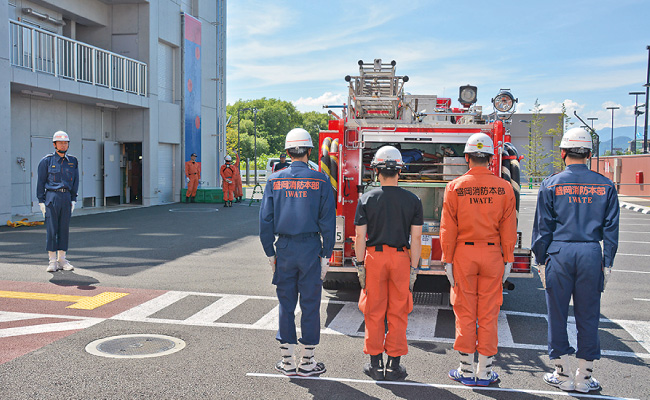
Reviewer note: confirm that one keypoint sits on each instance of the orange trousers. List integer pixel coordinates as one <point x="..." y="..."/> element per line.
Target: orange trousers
<point x="238" y="186"/>
<point x="192" y="185"/>
<point x="228" y="190"/>
<point x="477" y="297"/>
<point x="386" y="298"/>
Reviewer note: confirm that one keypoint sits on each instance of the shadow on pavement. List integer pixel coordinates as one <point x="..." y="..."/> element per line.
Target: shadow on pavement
<point x="126" y="242"/>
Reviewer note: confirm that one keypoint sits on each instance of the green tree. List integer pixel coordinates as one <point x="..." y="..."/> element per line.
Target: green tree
<point x="274" y="119"/>
<point x="536" y="163"/>
<point x="556" y="133"/>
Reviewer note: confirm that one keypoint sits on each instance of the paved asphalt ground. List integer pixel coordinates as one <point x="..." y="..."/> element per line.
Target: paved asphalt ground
<point x="197" y="272"/>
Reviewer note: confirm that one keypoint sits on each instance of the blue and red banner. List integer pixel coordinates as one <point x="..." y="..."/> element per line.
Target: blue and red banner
<point x="192" y="86"/>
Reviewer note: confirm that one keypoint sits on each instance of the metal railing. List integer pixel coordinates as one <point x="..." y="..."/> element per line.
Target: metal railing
<point x="43" y="51"/>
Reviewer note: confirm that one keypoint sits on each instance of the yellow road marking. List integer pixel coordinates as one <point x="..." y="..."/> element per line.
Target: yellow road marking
<point x="80" y="302"/>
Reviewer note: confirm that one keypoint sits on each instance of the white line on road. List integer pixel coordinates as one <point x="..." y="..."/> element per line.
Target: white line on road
<point x="442" y="386"/>
<point x="637" y="255"/>
<point x="634" y="272"/>
<point x="641" y="299"/>
<point x="77" y="324"/>
<point x="632" y="241"/>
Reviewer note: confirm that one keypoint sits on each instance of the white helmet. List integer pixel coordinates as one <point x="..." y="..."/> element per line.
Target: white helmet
<point x="388" y="157"/>
<point x="60" y="136"/>
<point x="576" y="139"/>
<point x="479" y="143"/>
<point x="296" y="138"/>
<point x="228" y="158"/>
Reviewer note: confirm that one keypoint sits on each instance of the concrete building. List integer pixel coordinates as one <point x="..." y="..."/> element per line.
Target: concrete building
<point x="137" y="84"/>
<point x="519" y="130"/>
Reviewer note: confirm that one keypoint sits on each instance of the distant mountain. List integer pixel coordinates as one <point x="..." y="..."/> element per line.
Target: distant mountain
<point x="620" y="142"/>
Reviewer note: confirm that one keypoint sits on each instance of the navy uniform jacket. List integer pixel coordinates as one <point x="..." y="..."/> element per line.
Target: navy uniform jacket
<point x="56" y="172"/>
<point x="298" y="200"/>
<point x="576" y="205"/>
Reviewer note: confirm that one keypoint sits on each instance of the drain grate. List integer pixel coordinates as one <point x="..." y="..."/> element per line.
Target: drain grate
<point x="135" y="346"/>
<point x="431" y="299"/>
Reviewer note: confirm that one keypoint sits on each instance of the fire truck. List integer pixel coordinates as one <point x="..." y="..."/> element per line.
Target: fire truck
<point x="431" y="136"/>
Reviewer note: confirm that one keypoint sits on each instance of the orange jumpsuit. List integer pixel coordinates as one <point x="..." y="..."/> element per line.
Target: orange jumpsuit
<point x="237" y="180"/>
<point x="227" y="173"/>
<point x="478" y="233"/>
<point x="193" y="172"/>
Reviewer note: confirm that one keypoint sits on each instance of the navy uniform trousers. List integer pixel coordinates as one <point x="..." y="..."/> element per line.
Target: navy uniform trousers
<point x="574" y="267"/>
<point x="58" y="209"/>
<point x="298" y="270"/>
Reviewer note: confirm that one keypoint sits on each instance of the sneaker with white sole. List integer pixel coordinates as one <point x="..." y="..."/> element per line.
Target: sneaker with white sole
<point x="66" y="266"/>
<point x="584" y="382"/>
<point x="53" y="266"/>
<point x="308" y="365"/>
<point x="560" y="378"/>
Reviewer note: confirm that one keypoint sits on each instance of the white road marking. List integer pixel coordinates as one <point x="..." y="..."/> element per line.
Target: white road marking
<point x="346" y="322"/>
<point x="77" y="323"/>
<point x="270" y="320"/>
<point x="152" y="306"/>
<point x="217" y="309"/>
<point x="632" y="272"/>
<point x="637" y="255"/>
<point x="632" y="241"/>
<point x="504" y="332"/>
<point x="641" y="299"/>
<point x="422" y="323"/>
<point x="442" y="386"/>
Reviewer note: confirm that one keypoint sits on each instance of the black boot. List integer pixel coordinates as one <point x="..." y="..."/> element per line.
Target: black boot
<point x="192" y="199"/>
<point x="394" y="371"/>
<point x="375" y="368"/>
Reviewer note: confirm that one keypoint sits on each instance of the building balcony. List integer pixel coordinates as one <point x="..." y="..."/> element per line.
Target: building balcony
<point x="41" y="51"/>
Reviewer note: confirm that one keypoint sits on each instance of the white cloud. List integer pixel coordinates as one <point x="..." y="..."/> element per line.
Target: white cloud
<point x="556" y="108"/>
<point x="316" y="103"/>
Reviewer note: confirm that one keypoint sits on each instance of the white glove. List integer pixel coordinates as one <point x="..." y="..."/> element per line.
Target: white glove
<point x="324" y="266"/>
<point x="272" y="263"/>
<point x="607" y="271"/>
<point x="187" y="179"/>
<point x="228" y="180"/>
<point x="42" y="206"/>
<point x="449" y="270"/>
<point x="413" y="277"/>
<point x="361" y="272"/>
<point x="506" y="271"/>
<point x="74" y="203"/>
<point x="541" y="269"/>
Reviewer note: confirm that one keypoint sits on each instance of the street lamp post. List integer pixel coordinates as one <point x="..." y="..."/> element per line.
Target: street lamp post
<point x="592" y="119"/>
<point x="647" y="99"/>
<point x="636" y="115"/>
<point x="611" y="145"/>
<point x="255" y="130"/>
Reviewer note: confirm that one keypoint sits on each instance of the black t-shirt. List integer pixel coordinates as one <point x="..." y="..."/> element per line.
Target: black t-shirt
<point x="389" y="212"/>
<point x="279" y="165"/>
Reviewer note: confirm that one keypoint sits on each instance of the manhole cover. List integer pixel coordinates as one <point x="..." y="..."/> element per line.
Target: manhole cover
<point x="135" y="346"/>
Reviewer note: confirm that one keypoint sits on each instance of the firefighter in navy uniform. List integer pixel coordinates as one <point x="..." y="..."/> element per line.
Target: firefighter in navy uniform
<point x="478" y="233"/>
<point x="282" y="164"/>
<point x="298" y="207"/>
<point x="386" y="266"/>
<point x="56" y="190"/>
<point x="576" y="210"/>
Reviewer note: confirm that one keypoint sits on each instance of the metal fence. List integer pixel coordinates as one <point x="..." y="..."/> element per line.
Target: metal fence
<point x="43" y="51"/>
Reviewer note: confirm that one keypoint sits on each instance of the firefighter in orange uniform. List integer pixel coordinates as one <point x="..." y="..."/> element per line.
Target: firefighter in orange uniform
<point x="478" y="233"/>
<point x="227" y="173"/>
<point x="387" y="216"/>
<point x="239" y="193"/>
<point x="193" y="174"/>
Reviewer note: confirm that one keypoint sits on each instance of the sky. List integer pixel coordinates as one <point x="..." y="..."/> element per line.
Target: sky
<point x="586" y="54"/>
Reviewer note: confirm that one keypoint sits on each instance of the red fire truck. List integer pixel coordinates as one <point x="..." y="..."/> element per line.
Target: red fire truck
<point x="431" y="136"/>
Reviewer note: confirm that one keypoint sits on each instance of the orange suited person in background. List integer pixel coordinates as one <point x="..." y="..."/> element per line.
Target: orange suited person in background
<point x="227" y="173"/>
<point x="478" y="233"/>
<point x="193" y="174"/>
<point x="239" y="193"/>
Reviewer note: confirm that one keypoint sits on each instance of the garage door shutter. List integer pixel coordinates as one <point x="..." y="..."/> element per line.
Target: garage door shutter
<point x="165" y="172"/>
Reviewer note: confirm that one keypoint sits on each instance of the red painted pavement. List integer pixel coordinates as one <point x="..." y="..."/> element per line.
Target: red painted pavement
<point x="17" y="346"/>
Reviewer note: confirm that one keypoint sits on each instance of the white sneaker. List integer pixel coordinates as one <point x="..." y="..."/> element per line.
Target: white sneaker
<point x="560" y="378"/>
<point x="584" y="382"/>
<point x="53" y="266"/>
<point x="66" y="266"/>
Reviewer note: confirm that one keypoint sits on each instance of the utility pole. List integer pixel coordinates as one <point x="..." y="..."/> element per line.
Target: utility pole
<point x="636" y="115"/>
<point x="647" y="99"/>
<point x="611" y="145"/>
